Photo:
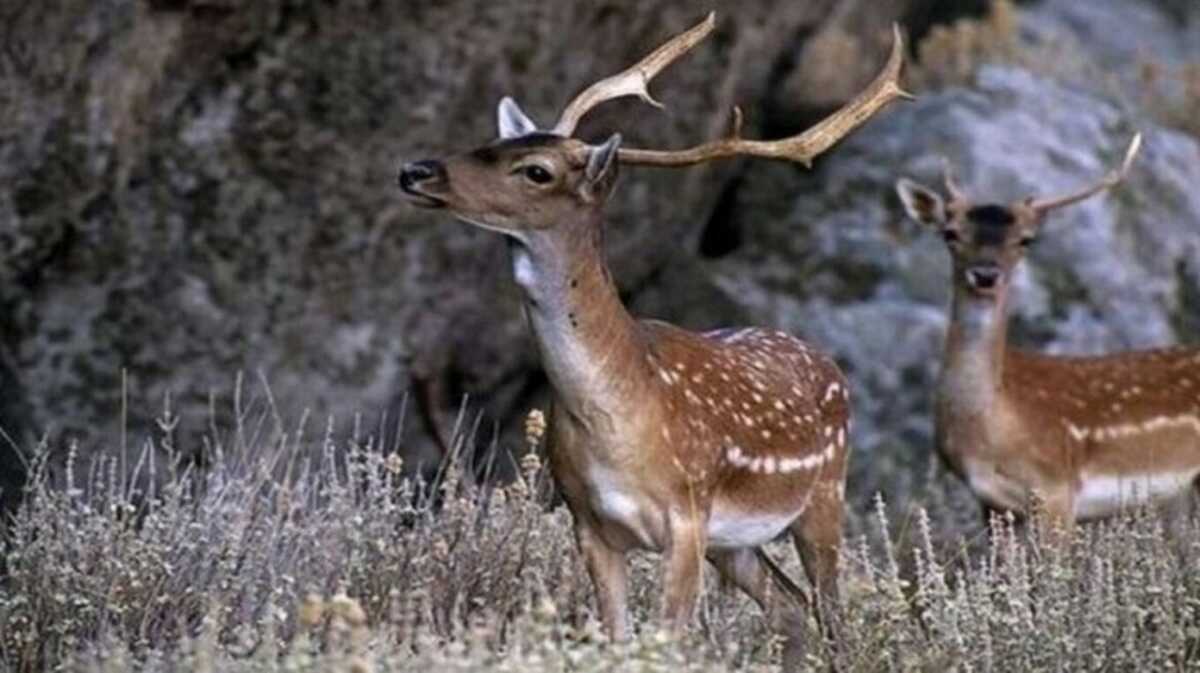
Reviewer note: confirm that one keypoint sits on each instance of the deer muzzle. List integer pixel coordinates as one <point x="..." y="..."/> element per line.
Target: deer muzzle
<point x="421" y="181"/>
<point x="984" y="278"/>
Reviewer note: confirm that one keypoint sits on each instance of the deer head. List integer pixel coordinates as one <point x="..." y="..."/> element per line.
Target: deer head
<point x="534" y="181"/>
<point x="530" y="179"/>
<point x="987" y="241"/>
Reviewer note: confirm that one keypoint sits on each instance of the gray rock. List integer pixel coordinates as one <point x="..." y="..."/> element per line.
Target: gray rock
<point x="1119" y="34"/>
<point x="203" y="189"/>
<point x="830" y="256"/>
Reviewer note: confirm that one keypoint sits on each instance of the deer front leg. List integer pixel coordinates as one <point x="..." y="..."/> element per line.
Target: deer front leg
<point x="606" y="567"/>
<point x="682" y="567"/>
<point x="817" y="535"/>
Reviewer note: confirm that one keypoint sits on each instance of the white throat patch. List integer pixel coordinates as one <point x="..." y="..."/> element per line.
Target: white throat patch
<point x="524" y="271"/>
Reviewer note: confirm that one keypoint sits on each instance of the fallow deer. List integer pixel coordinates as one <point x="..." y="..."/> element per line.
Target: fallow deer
<point x="1082" y="436"/>
<point x="693" y="445"/>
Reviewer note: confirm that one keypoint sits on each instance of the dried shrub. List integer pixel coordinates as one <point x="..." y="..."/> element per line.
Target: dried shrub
<point x="1172" y="94"/>
<point x="279" y="559"/>
<point x="950" y="55"/>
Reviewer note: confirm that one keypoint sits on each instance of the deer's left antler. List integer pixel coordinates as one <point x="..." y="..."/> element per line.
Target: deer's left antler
<point x="1114" y="178"/>
<point x="801" y="148"/>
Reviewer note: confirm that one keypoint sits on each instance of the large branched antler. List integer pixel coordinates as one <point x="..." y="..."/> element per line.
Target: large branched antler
<point x="1114" y="178"/>
<point x="802" y="148"/>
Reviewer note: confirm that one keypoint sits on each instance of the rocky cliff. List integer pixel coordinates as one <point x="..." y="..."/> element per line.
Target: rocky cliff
<point x="194" y="189"/>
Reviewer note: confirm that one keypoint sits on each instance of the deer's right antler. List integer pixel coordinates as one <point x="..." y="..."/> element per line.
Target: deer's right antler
<point x="633" y="80"/>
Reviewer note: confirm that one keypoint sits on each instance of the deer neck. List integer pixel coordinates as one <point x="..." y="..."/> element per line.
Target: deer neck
<point x="590" y="345"/>
<point x="973" y="363"/>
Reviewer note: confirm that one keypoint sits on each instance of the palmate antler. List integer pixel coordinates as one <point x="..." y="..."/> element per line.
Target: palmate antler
<point x="801" y="148"/>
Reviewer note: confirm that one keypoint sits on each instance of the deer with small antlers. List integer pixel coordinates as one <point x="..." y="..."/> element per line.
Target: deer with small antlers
<point x="698" y="446"/>
<point x="1083" y="437"/>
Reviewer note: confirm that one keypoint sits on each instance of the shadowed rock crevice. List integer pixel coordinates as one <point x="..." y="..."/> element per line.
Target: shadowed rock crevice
<point x="1187" y="319"/>
<point x="14" y="418"/>
<point x="722" y="233"/>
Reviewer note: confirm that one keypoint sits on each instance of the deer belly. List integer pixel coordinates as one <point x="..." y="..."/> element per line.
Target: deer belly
<point x="729" y="528"/>
<point x="1105" y="494"/>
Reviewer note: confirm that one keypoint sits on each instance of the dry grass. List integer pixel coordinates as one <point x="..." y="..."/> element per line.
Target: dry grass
<point x="280" y="559"/>
<point x="952" y="55"/>
<point x="1172" y="95"/>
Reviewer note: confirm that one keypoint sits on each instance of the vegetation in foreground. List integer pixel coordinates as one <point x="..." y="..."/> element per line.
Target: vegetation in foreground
<point x="278" y="558"/>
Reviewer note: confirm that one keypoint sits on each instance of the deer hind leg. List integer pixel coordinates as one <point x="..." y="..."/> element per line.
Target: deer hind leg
<point x="817" y="534"/>
<point x="682" y="570"/>
<point x="1175" y="516"/>
<point x="749" y="570"/>
<point x="606" y="568"/>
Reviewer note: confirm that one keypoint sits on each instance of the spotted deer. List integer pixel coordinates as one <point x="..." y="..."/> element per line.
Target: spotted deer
<point x="695" y="445"/>
<point x="1084" y="437"/>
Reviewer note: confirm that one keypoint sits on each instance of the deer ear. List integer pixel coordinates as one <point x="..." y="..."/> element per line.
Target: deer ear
<point x="922" y="204"/>
<point x="511" y="121"/>
<point x="601" y="169"/>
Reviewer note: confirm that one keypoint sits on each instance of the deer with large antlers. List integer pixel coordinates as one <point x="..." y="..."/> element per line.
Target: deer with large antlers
<point x="1083" y="437"/>
<point x="699" y="446"/>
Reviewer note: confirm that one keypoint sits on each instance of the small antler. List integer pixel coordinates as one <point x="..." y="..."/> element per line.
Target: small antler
<point x="950" y="179"/>
<point x="1114" y="178"/>
<point x="633" y="80"/>
<point x="802" y="148"/>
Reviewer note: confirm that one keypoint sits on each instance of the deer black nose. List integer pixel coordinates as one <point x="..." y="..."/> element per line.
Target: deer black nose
<point x="417" y="172"/>
<point x="983" y="277"/>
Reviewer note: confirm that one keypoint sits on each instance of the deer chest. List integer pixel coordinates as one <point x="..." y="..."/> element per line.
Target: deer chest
<point x="995" y="483"/>
<point x="615" y="500"/>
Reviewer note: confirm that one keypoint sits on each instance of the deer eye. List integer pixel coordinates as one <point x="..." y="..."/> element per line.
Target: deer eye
<point x="950" y="235"/>
<point x="536" y="174"/>
<point x="1027" y="241"/>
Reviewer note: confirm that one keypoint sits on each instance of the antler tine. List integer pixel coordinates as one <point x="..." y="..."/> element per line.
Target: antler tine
<point x="802" y="148"/>
<point x="1109" y="181"/>
<point x="633" y="80"/>
<point x="950" y="179"/>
